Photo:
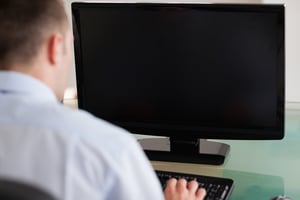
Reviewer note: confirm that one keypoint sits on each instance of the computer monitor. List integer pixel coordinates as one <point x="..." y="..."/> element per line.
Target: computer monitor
<point x="189" y="72"/>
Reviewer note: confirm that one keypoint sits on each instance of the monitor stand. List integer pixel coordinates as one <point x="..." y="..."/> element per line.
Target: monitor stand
<point x="192" y="150"/>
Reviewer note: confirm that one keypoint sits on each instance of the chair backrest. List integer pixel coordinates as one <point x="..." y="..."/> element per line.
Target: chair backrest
<point x="12" y="190"/>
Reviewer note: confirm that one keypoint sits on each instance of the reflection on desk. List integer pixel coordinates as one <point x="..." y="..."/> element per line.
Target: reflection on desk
<point x="250" y="186"/>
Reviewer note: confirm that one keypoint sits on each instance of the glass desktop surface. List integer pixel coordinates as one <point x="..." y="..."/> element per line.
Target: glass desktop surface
<point x="260" y="169"/>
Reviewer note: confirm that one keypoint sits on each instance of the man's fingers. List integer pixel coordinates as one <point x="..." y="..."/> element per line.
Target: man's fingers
<point x="181" y="184"/>
<point x="200" y="194"/>
<point x="193" y="186"/>
<point x="181" y="190"/>
<point x="172" y="182"/>
<point x="171" y="185"/>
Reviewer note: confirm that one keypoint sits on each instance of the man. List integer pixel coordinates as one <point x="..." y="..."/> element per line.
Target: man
<point x="69" y="153"/>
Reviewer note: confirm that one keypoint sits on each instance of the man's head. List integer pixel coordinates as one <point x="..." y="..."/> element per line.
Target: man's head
<point x="35" y="39"/>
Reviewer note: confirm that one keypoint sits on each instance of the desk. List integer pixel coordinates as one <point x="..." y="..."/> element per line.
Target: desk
<point x="260" y="169"/>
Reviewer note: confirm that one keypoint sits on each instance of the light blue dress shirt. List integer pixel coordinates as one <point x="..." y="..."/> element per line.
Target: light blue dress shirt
<point x="67" y="152"/>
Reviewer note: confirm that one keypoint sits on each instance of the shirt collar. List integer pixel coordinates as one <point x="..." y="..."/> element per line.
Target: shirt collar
<point x="15" y="82"/>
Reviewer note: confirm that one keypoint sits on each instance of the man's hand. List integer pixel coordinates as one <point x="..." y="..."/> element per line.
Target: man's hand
<point x="183" y="190"/>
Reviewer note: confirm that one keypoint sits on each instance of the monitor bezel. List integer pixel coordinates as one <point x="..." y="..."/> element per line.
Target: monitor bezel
<point x="275" y="133"/>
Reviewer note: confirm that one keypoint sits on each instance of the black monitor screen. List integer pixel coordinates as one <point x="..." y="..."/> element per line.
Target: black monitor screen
<point x="184" y="70"/>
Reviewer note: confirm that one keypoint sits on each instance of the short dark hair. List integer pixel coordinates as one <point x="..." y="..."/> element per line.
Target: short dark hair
<point x="24" y="25"/>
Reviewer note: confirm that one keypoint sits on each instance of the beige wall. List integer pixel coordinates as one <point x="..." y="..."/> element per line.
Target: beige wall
<point x="292" y="48"/>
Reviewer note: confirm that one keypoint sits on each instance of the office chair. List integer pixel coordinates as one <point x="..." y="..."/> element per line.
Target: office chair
<point x="12" y="190"/>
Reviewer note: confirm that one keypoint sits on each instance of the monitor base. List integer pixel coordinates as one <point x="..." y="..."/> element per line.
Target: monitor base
<point x="198" y="151"/>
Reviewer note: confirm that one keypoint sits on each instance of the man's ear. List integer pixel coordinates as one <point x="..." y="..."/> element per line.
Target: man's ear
<point x="55" y="49"/>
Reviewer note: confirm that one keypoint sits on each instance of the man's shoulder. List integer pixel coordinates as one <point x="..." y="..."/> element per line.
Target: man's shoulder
<point x="85" y="124"/>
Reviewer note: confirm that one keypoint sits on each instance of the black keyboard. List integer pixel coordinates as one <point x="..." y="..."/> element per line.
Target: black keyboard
<point x="216" y="188"/>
